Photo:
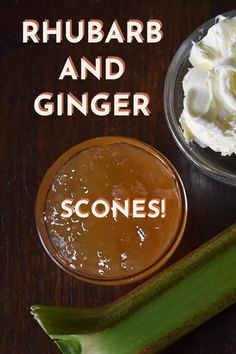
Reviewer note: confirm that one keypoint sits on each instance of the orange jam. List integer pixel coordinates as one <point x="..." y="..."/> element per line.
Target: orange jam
<point x="110" y="248"/>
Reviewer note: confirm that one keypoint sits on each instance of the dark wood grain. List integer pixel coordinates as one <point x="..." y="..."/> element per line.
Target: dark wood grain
<point x="29" y="144"/>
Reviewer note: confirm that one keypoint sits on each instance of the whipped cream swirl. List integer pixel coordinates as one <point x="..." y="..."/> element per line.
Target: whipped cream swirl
<point x="209" y="114"/>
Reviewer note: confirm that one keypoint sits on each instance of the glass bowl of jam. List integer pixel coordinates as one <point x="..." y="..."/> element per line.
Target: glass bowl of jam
<point x="111" y="210"/>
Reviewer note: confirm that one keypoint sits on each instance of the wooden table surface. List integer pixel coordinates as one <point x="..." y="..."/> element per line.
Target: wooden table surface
<point x="30" y="143"/>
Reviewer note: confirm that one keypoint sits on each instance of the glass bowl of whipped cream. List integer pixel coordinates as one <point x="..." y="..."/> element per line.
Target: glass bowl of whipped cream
<point x="200" y="97"/>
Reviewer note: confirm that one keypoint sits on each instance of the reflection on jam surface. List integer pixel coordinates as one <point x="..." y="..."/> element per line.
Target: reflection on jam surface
<point x="112" y="247"/>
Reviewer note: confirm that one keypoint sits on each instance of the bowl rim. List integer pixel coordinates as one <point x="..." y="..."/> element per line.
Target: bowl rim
<point x="208" y="168"/>
<point x="46" y="184"/>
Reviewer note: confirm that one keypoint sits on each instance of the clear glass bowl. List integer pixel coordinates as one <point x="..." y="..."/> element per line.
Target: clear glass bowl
<point x="210" y="162"/>
<point x="40" y="213"/>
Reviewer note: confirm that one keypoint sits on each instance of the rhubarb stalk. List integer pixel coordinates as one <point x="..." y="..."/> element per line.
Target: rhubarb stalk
<point x="157" y="313"/>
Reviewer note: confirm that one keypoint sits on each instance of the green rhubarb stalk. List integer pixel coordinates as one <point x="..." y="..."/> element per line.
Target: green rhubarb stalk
<point x="156" y="314"/>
